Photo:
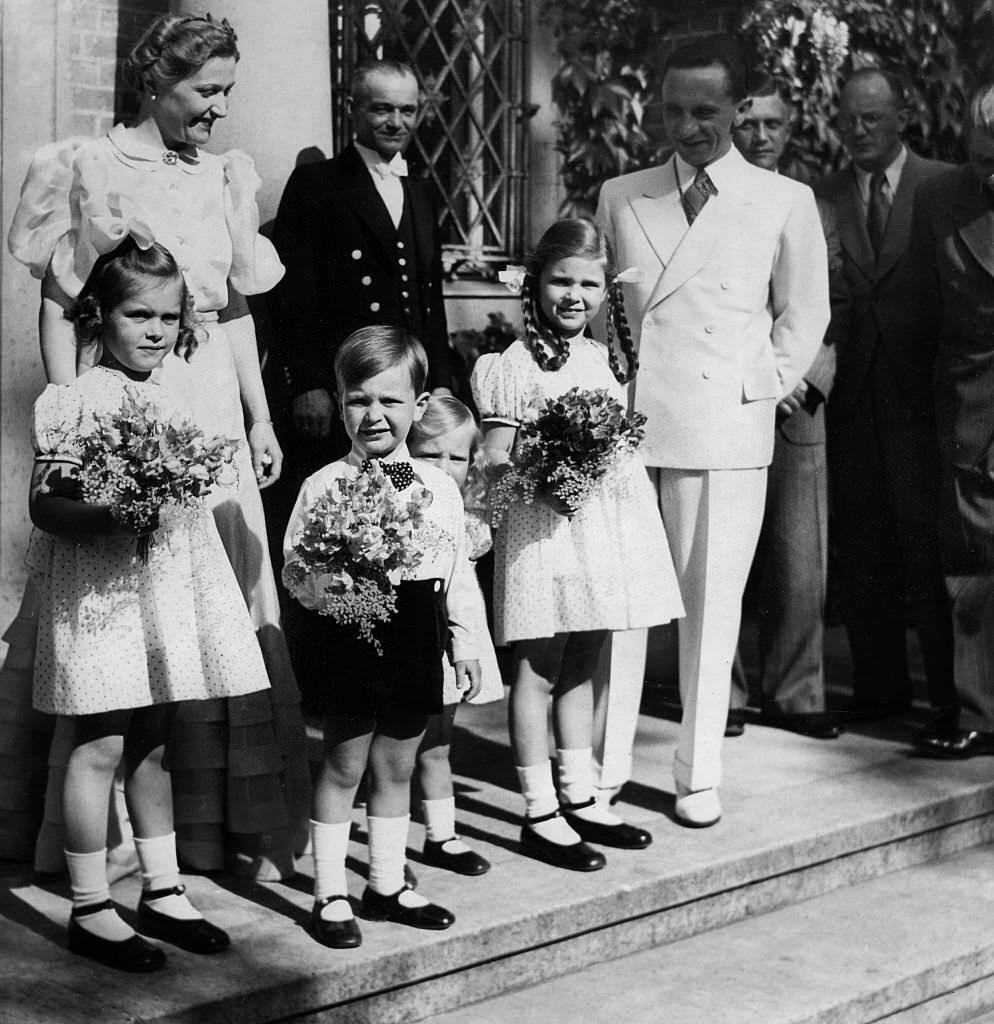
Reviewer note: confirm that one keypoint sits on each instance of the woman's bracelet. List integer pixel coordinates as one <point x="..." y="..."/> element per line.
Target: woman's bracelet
<point x="256" y="420"/>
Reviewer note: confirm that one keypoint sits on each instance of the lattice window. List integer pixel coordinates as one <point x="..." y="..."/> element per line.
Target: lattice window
<point x="469" y="56"/>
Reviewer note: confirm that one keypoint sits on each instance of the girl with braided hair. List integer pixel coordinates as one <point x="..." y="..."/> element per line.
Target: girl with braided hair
<point x="563" y="582"/>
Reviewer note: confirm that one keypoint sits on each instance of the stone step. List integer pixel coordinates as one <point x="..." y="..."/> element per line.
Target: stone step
<point x="802" y="819"/>
<point x="911" y="947"/>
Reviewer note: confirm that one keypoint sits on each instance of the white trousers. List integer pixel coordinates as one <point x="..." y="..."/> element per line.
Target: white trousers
<point x="712" y="519"/>
<point x="617" y="695"/>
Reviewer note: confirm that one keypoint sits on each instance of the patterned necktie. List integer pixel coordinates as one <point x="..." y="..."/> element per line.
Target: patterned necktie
<point x="877" y="212"/>
<point x="696" y="194"/>
<point x="400" y="473"/>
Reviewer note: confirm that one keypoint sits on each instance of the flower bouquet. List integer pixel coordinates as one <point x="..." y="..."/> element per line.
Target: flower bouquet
<point x="565" y="446"/>
<point x="141" y="466"/>
<point x="359" y="539"/>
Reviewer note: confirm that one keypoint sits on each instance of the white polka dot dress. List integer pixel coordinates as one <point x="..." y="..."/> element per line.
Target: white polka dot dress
<point x="115" y="633"/>
<point x="609" y="566"/>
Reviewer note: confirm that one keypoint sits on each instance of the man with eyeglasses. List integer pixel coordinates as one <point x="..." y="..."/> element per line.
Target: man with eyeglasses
<point x="791" y="564"/>
<point x="882" y="451"/>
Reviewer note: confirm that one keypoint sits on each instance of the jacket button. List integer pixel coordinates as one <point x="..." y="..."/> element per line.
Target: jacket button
<point x="402" y="261"/>
<point x="706" y="374"/>
<point x="709" y="329"/>
<point x="357" y="254"/>
<point x="367" y="280"/>
<point x="374" y="307"/>
<point x="400" y="245"/>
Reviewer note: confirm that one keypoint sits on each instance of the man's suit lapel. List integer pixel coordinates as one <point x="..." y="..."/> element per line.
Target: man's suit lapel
<point x="365" y="200"/>
<point x="974" y="221"/>
<point x="680" y="250"/>
<point x="897" y="237"/>
<point x="852" y="225"/>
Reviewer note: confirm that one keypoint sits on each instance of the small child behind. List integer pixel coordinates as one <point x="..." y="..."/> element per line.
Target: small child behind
<point x="447" y="437"/>
<point x="375" y="705"/>
<point x="120" y="640"/>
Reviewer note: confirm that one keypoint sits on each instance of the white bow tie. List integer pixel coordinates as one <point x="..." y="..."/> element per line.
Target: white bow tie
<point x="396" y="168"/>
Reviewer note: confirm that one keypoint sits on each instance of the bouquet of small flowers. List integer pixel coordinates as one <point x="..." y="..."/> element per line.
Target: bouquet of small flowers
<point x="141" y="466"/>
<point x="359" y="539"/>
<point x="564" y="446"/>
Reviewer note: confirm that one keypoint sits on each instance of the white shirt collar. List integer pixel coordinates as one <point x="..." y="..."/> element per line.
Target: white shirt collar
<point x="717" y="169"/>
<point x="371" y="158"/>
<point x="892" y="174"/>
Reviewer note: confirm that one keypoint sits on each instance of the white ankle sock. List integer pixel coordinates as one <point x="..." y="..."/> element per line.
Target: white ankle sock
<point x="440" y="824"/>
<point x="576" y="785"/>
<point x="330" y="843"/>
<point x="539" y="792"/>
<point x="387" y="856"/>
<point x="159" y="870"/>
<point x="88" y="879"/>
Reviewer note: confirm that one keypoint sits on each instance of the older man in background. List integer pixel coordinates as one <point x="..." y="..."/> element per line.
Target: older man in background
<point x="791" y="564"/>
<point x="882" y="455"/>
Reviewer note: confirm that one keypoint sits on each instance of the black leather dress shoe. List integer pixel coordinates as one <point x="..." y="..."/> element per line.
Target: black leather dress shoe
<point x="378" y="907"/>
<point x="820" y="725"/>
<point x="956" y="744"/>
<point x="135" y="954"/>
<point x="621" y="836"/>
<point x="574" y="857"/>
<point x="196" y="936"/>
<point x="466" y="863"/>
<point x="735" y="723"/>
<point x="336" y="934"/>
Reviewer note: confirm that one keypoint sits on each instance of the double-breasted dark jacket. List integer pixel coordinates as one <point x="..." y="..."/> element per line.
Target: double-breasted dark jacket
<point x="347" y="266"/>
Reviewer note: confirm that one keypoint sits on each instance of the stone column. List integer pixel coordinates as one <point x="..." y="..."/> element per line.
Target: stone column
<point x="32" y="85"/>
<point x="281" y="104"/>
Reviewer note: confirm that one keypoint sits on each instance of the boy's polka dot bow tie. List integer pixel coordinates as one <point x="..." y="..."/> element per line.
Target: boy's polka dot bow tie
<point x="401" y="473"/>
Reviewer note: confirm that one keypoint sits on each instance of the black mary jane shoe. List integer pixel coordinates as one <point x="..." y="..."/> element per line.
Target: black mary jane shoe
<point x="336" y="934"/>
<point x="466" y="863"/>
<point x="574" y="856"/>
<point x="621" y="836"/>
<point x="378" y="907"/>
<point x="133" y="954"/>
<point x="195" y="936"/>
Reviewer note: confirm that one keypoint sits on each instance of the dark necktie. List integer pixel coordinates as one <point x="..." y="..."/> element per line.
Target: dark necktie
<point x="400" y="473"/>
<point x="696" y="194"/>
<point x="877" y="212"/>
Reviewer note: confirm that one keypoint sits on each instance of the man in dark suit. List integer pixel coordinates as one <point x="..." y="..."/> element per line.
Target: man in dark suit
<point x="954" y="233"/>
<point x="359" y="239"/>
<point x="881" y="436"/>
<point x="791" y="563"/>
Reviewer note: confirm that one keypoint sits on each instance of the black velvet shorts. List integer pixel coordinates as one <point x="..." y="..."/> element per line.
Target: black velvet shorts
<point x="343" y="675"/>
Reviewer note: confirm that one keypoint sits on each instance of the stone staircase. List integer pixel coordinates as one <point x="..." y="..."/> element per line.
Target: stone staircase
<point x="847" y="882"/>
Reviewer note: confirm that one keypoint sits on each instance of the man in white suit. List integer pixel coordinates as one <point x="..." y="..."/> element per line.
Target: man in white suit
<point x="729" y="316"/>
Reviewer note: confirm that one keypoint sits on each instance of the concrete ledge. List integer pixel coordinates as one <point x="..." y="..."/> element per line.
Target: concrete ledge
<point x="913" y="947"/>
<point x="803" y="819"/>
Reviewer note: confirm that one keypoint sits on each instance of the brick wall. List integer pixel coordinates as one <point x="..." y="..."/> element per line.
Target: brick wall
<point x="102" y="33"/>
